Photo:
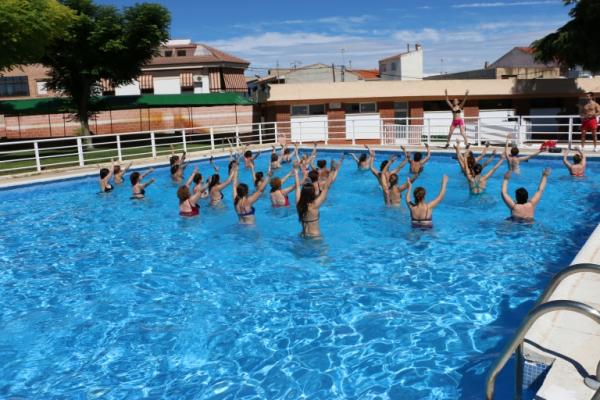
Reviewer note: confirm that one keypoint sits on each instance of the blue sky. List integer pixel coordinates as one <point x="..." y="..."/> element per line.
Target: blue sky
<point x="462" y="33"/>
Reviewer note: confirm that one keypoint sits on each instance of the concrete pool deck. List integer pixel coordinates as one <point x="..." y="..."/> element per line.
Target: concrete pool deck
<point x="571" y="340"/>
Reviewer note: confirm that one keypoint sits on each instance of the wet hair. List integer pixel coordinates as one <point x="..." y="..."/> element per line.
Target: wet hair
<point x="275" y="184"/>
<point x="477" y="168"/>
<point x="321" y="163"/>
<point x="116" y="169"/>
<point x="417" y="156"/>
<point x="247" y="154"/>
<point x="134" y="178"/>
<point x="514" y="151"/>
<point x="231" y="164"/>
<point x="174" y="168"/>
<point x="419" y="194"/>
<point x="241" y="191"/>
<point x="104" y="173"/>
<point x="307" y="196"/>
<point x="522" y="195"/>
<point x="313" y="175"/>
<point x="173" y="160"/>
<point x="590" y="94"/>
<point x="577" y="159"/>
<point x="383" y="164"/>
<point x="362" y="157"/>
<point x="274" y="157"/>
<point x="214" y="180"/>
<point x="183" y="193"/>
<point x="258" y="177"/>
<point x="393" y="180"/>
<point x="197" y="178"/>
<point x="287" y="150"/>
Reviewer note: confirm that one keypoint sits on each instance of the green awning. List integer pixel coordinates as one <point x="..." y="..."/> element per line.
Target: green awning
<point x="56" y="105"/>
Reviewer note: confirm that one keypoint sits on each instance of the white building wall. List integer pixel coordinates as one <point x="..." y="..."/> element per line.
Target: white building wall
<point x="167" y="85"/>
<point x="131" y="89"/>
<point x="411" y="66"/>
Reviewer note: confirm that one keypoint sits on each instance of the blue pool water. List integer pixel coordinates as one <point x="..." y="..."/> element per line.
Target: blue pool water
<point x="102" y="297"/>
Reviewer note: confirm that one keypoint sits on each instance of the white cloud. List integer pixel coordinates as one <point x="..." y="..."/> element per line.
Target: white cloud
<point x="426" y="34"/>
<point x="505" y="4"/>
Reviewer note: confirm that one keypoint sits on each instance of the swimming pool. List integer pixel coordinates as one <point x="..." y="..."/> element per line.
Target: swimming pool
<point x="103" y="297"/>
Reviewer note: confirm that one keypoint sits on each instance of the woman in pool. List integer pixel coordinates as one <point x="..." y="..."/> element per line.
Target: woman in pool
<point x="119" y="173"/>
<point x="138" y="191"/>
<point x="275" y="161"/>
<point x="174" y="158"/>
<point x="392" y="193"/>
<point x="418" y="162"/>
<point x="477" y="182"/>
<point x="279" y="195"/>
<point x="249" y="158"/>
<point x="308" y="202"/>
<point x="457" y="121"/>
<point x="199" y="186"/>
<point x="323" y="170"/>
<point x="362" y="161"/>
<point x="384" y="164"/>
<point x="215" y="186"/>
<point x="257" y="177"/>
<point x="105" y="175"/>
<point x="188" y="202"/>
<point x="578" y="166"/>
<point x="288" y="154"/>
<point x="521" y="209"/>
<point x="421" y="213"/>
<point x="243" y="201"/>
<point x="513" y="159"/>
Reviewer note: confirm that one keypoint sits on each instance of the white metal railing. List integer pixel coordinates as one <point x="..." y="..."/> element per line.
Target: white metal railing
<point x="41" y="154"/>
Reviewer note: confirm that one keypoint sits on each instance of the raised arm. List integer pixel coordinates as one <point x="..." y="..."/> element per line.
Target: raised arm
<point x="297" y="182"/>
<point x="233" y="177"/>
<point x="428" y="156"/>
<point x="354" y="157"/>
<point x="286" y="177"/>
<point x="507" y="199"/>
<point x="441" y="194"/>
<point x="538" y="195"/>
<point x="537" y="153"/>
<point x="148" y="172"/>
<point x="371" y="164"/>
<point x="229" y="179"/>
<point x="124" y="170"/>
<point x="111" y="172"/>
<point x="480" y="157"/>
<point x="447" y="99"/>
<point x="146" y="184"/>
<point x="215" y="167"/>
<point x="506" y="153"/>
<point x="400" y="166"/>
<point x="583" y="158"/>
<point x="191" y="178"/>
<point x="490" y="159"/>
<point x="464" y="99"/>
<point x="565" y="160"/>
<point x="494" y="168"/>
<point x="408" y="194"/>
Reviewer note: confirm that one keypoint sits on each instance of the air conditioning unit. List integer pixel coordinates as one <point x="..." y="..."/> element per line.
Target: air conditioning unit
<point x="197" y="78"/>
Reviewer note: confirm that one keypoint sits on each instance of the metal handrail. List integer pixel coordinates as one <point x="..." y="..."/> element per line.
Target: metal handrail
<point x="516" y="344"/>
<point x="558" y="278"/>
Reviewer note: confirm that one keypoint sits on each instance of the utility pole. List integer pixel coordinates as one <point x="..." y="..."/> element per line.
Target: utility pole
<point x="333" y="71"/>
<point x="343" y="59"/>
<point x="343" y="72"/>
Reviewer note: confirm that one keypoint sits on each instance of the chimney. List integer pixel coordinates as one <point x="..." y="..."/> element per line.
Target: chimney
<point x="417" y="47"/>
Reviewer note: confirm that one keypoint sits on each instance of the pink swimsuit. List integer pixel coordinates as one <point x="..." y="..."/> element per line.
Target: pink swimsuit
<point x="457" y="122"/>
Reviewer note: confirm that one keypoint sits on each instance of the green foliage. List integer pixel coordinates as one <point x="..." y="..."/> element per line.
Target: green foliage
<point x="26" y="28"/>
<point x="103" y="43"/>
<point x="575" y="43"/>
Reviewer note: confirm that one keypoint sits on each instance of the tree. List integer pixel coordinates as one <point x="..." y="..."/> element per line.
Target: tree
<point x="27" y="27"/>
<point x="103" y="43"/>
<point x="575" y="43"/>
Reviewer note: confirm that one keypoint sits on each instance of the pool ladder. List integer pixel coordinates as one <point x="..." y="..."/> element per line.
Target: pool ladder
<point x="543" y="307"/>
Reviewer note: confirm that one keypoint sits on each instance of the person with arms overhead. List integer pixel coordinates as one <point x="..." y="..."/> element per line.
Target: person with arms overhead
<point x="421" y="213"/>
<point x="521" y="209"/>
<point x="578" y="166"/>
<point x="243" y="201"/>
<point x="513" y="158"/>
<point x="457" y="120"/>
<point x="138" y="190"/>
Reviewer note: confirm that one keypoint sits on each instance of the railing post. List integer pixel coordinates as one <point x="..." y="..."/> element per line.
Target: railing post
<point x="183" y="140"/>
<point x="119" y="152"/>
<point x="326" y="124"/>
<point x="354" y="132"/>
<point x="153" y="144"/>
<point x="570" y="139"/>
<point x="300" y="132"/>
<point x="381" y="141"/>
<point x="212" y="138"/>
<point x="260" y="133"/>
<point x="237" y="136"/>
<point x="80" y="152"/>
<point x="277" y="133"/>
<point x="428" y="131"/>
<point x="520" y="122"/>
<point x="36" y="151"/>
<point x="478" y="132"/>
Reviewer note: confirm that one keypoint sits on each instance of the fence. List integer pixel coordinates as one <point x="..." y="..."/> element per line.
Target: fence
<point x="43" y="154"/>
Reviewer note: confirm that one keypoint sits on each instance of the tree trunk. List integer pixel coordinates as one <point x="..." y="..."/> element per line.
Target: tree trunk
<point x="85" y="131"/>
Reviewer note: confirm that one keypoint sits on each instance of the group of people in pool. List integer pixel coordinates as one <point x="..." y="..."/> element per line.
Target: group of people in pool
<point x="314" y="178"/>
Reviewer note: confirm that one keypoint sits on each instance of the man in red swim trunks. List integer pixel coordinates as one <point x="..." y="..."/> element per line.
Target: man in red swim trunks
<point x="588" y="112"/>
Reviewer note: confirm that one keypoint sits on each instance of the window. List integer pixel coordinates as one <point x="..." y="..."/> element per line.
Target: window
<point x="41" y="88"/>
<point x="401" y="112"/>
<point x="168" y="53"/>
<point x="356" y="108"/>
<point x="368" y="107"/>
<point x="313" y="109"/>
<point x="14" y="86"/>
<point x="180" y="53"/>
<point x="393" y="67"/>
